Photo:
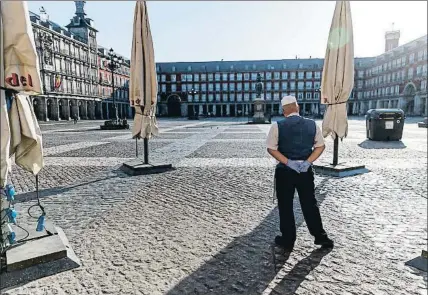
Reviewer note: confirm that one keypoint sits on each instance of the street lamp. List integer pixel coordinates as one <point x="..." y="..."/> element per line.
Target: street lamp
<point x="44" y="43"/>
<point x="193" y="92"/>
<point x="115" y="63"/>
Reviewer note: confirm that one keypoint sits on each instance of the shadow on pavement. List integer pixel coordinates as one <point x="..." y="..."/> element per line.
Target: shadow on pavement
<point x="245" y="266"/>
<point x="291" y="282"/>
<point x="370" y="144"/>
<point x="29" y="196"/>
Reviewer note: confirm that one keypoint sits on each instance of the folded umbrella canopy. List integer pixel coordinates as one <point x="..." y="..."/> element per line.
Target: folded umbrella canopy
<point x="338" y="74"/>
<point x="143" y="84"/>
<point x="21" y="136"/>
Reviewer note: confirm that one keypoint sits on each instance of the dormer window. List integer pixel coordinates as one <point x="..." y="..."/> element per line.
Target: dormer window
<point x="189" y="68"/>
<point x="173" y="69"/>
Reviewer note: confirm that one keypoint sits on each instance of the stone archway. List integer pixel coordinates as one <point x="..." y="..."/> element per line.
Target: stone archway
<point x="409" y="94"/>
<point x="37" y="106"/>
<point x="174" y="105"/>
<point x="83" y="110"/>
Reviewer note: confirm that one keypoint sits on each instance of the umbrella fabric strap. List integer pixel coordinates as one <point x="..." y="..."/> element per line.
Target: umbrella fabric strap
<point x="331" y="104"/>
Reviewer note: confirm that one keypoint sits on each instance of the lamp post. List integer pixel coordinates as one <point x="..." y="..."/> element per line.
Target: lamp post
<point x="193" y="92"/>
<point x="44" y="43"/>
<point x="115" y="63"/>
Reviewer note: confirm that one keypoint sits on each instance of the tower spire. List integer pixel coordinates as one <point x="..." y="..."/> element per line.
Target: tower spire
<point x="80" y="8"/>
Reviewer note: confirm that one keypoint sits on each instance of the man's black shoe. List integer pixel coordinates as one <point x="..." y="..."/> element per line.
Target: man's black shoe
<point x="279" y="241"/>
<point x="324" y="242"/>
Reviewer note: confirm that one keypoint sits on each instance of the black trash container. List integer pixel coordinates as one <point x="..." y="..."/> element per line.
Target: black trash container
<point x="385" y="124"/>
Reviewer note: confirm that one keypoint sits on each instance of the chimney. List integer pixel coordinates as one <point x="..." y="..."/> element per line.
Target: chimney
<point x="392" y="39"/>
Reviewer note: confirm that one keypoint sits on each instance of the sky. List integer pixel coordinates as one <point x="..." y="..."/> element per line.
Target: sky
<point x="244" y="30"/>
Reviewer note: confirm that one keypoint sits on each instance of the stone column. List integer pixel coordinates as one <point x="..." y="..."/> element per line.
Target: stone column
<point x="184" y="110"/>
<point x="378" y="104"/>
<point x="236" y="110"/>
<point x="214" y="110"/>
<point x="55" y="109"/>
<point x="201" y="110"/>
<point x="228" y="110"/>
<point x="389" y="104"/>
<point x="107" y="111"/>
<point x="42" y="109"/>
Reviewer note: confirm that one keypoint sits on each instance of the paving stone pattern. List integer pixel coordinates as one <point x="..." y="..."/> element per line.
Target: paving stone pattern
<point x="207" y="227"/>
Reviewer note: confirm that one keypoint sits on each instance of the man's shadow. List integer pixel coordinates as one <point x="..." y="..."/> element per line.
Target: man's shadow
<point x="292" y="281"/>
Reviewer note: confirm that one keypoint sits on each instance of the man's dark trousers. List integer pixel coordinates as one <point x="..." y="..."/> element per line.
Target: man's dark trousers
<point x="287" y="181"/>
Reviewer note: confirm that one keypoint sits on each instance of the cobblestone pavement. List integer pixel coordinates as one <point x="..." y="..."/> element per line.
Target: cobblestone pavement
<point x="207" y="227"/>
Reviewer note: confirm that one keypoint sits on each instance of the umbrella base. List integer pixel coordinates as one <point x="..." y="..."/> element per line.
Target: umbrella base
<point x="43" y="254"/>
<point x="340" y="170"/>
<point x="420" y="262"/>
<point x="423" y="124"/>
<point x="137" y="167"/>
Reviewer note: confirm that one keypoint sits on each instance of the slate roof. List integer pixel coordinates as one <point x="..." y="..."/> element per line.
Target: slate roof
<point x="249" y="65"/>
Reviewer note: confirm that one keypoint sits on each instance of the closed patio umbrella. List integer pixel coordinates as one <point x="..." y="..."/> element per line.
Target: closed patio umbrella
<point x="143" y="91"/>
<point x="21" y="136"/>
<point x="143" y="84"/>
<point x="338" y="75"/>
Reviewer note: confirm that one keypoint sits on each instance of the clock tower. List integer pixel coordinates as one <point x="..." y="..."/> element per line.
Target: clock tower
<point x="82" y="26"/>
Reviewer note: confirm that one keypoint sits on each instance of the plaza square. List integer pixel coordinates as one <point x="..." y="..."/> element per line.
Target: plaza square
<point x="207" y="227"/>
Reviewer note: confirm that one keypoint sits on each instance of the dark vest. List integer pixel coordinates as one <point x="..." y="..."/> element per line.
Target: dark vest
<point x="296" y="137"/>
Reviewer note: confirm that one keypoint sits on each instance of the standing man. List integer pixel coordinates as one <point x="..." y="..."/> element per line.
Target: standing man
<point x="296" y="142"/>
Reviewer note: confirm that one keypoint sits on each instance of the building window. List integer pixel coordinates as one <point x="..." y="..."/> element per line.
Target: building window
<point x="410" y="74"/>
<point x="189" y="68"/>
<point x="217" y="87"/>
<point x="284" y="75"/>
<point x="224" y="86"/>
<point x="276" y="85"/>
<point x="173" y="88"/>
<point x="203" y="77"/>
<point x="292" y="85"/>
<point x="418" y="70"/>
<point x="246" y="86"/>
<point x="268" y="86"/>
<point x="254" y="76"/>
<point x="316" y="95"/>
<point x="253" y="95"/>
<point x="300" y="85"/>
<point x="239" y="86"/>
<point x="292" y="75"/>
<point x="225" y="97"/>
<point x="276" y="96"/>
<point x="232" y="86"/>
<point x="317" y="75"/>
<point x="308" y="75"/>
<point x="284" y="85"/>
<point x="225" y="77"/>
<point x="268" y="76"/>
<point x="411" y="58"/>
<point x="196" y="87"/>
<point x="300" y="95"/>
<point x="163" y="78"/>
<point x="217" y="97"/>
<point x="183" y="77"/>
<point x="196" y="97"/>
<point x="183" y="88"/>
<point x="239" y="97"/>
<point x="210" y="97"/>
<point x="217" y="77"/>
<point x="239" y="76"/>
<point x="276" y="75"/>
<point x="316" y="85"/>
<point x="204" y="87"/>
<point x="232" y="96"/>
<point x="246" y="76"/>
<point x="211" y="87"/>
<point x="246" y="96"/>
<point x="300" y="75"/>
<point x="360" y="74"/>
<point x="204" y="97"/>
<point x="359" y="84"/>
<point x="423" y="85"/>
<point x="196" y="77"/>
<point x="308" y="95"/>
<point x="424" y="70"/>
<point x="308" y="85"/>
<point x="173" y="78"/>
<point x="189" y="77"/>
<point x="210" y="77"/>
<point x="163" y="88"/>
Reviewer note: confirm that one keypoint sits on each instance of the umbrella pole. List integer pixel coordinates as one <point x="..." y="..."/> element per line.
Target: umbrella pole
<point x="336" y="150"/>
<point x="146" y="151"/>
<point x="136" y="147"/>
